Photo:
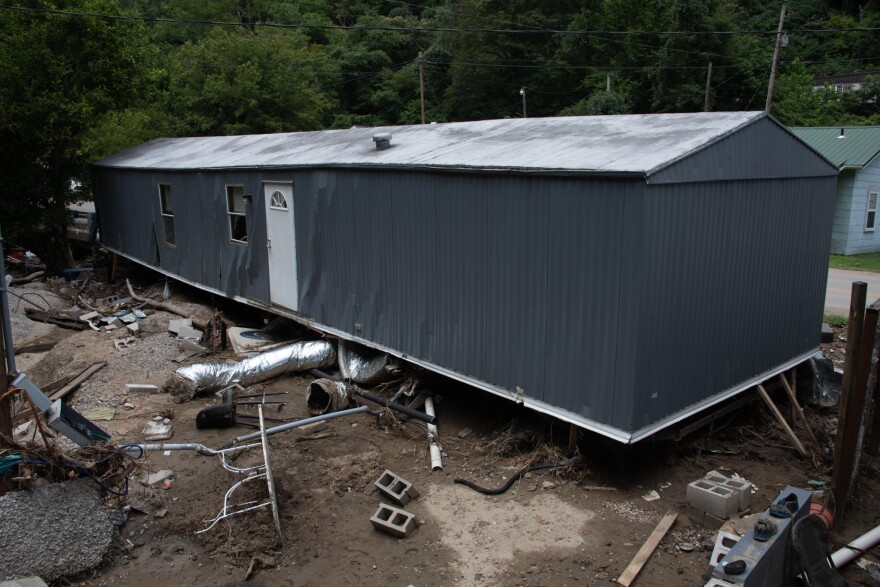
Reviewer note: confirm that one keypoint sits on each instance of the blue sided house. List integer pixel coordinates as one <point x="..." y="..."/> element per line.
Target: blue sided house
<point x="854" y="150"/>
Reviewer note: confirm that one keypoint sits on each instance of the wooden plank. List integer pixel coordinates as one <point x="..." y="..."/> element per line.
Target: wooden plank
<point x="35" y="348"/>
<point x="574" y="436"/>
<point x="629" y="574"/>
<point x="77" y="381"/>
<point x="797" y="407"/>
<point x="781" y="420"/>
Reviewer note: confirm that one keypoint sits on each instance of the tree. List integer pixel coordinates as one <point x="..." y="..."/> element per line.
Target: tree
<point x="601" y="102"/>
<point x="237" y="81"/>
<point x="59" y="74"/>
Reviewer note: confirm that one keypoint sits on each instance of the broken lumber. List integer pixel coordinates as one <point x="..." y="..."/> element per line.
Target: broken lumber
<point x="632" y="570"/>
<point x="166" y="306"/>
<point x="35" y="348"/>
<point x="779" y="418"/>
<point x="28" y="278"/>
<point x="797" y="407"/>
<point x="76" y="381"/>
<point x="53" y="318"/>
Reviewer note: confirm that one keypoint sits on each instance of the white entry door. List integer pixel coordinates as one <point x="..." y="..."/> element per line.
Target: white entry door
<point x="281" y="244"/>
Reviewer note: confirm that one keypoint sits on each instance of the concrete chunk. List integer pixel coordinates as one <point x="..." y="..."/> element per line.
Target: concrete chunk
<point x="141" y="388"/>
<point x="189" y="333"/>
<point x="89" y="316"/>
<point x="133" y="327"/>
<point x="174" y="326"/>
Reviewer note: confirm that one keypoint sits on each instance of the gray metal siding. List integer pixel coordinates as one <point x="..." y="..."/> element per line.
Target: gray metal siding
<point x="761" y="150"/>
<point x="733" y="286"/>
<point x="131" y="223"/>
<point x="511" y="281"/>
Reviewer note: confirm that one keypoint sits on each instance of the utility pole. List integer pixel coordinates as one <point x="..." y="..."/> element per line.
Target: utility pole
<point x="522" y="92"/>
<point x="422" y="84"/>
<point x="607" y="82"/>
<point x="775" y="57"/>
<point x="708" y="85"/>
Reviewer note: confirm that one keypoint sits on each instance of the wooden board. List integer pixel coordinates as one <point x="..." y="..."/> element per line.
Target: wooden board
<point x="77" y="381"/>
<point x="797" y="407"/>
<point x="629" y="574"/>
<point x="794" y="439"/>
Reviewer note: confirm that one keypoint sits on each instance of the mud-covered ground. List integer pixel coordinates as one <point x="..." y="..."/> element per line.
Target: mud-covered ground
<point x="581" y="527"/>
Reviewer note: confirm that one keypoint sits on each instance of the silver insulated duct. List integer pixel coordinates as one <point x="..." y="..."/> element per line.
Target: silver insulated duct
<point x="299" y="356"/>
<point x="362" y="365"/>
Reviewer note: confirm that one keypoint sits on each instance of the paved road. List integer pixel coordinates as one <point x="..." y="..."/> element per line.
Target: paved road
<point x="840" y="287"/>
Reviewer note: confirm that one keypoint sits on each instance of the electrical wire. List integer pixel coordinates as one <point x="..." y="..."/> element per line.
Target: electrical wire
<point x="165" y="20"/>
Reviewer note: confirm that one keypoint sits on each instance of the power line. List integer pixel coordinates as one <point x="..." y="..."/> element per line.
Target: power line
<point x="165" y="20"/>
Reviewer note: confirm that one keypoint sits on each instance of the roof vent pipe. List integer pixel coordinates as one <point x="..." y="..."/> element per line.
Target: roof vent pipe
<point x="382" y="140"/>
<point x="842" y="136"/>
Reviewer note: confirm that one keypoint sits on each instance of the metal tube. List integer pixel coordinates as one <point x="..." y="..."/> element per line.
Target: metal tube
<point x="436" y="456"/>
<point x="396" y="406"/>
<point x="4" y="314"/>
<point x="298" y="423"/>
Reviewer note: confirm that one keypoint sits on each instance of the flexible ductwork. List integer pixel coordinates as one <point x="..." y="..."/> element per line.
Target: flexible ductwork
<point x="362" y="365"/>
<point x="299" y="356"/>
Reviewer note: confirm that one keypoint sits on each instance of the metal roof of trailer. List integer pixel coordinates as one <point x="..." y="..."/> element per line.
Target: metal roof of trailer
<point x="845" y="146"/>
<point x="627" y="144"/>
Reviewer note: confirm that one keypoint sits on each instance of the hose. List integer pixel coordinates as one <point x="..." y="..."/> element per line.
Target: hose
<point x="513" y="479"/>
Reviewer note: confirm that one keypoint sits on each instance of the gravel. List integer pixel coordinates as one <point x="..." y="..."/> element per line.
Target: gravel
<point x="24" y="329"/>
<point x="58" y="529"/>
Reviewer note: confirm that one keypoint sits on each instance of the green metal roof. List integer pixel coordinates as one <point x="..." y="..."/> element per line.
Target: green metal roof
<point x="859" y="145"/>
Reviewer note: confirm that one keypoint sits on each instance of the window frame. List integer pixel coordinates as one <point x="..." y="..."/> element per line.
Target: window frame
<point x="231" y="213"/>
<point x="871" y="222"/>
<point x="166" y="216"/>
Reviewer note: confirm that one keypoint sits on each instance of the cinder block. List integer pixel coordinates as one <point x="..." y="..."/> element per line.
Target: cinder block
<point x="723" y="543"/>
<point x="133" y="327"/>
<point x="89" y="316"/>
<point x="140" y="388"/>
<point x="743" y="491"/>
<point x="189" y="333"/>
<point x="712" y="498"/>
<point x="394" y="521"/>
<point x="718" y="583"/>
<point x="715" y="477"/>
<point x="396" y="488"/>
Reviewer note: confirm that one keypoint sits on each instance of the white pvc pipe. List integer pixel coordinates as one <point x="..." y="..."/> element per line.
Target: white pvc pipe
<point x="436" y="457"/>
<point x="856" y="548"/>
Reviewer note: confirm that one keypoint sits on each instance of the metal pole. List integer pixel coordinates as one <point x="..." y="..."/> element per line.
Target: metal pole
<point x="522" y="92"/>
<point x="4" y="313"/>
<point x="298" y="423"/>
<point x="775" y="59"/>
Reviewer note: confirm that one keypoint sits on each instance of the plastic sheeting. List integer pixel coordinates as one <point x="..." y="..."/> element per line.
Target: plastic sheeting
<point x="362" y="365"/>
<point x="299" y="356"/>
<point x="827" y="383"/>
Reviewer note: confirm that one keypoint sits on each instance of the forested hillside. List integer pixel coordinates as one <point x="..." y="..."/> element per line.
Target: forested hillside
<point x="80" y="79"/>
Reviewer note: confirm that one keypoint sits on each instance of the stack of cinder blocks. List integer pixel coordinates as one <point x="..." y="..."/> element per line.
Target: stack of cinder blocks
<point x="715" y="497"/>
<point x="389" y="519"/>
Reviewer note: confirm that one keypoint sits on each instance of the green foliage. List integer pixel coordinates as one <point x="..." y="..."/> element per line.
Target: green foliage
<point x="835" y="320"/>
<point x="237" y="82"/>
<point x="59" y="75"/>
<point x="864" y="262"/>
<point x="75" y="89"/>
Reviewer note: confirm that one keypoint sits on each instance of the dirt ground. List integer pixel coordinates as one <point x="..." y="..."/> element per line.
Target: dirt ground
<point x="581" y="527"/>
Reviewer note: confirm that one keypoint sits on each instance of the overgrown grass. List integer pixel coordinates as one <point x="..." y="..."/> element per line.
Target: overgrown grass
<point x="835" y="320"/>
<point x="865" y="262"/>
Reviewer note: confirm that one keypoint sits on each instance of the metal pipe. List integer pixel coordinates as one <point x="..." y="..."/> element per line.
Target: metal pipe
<point x="298" y="423"/>
<point x="436" y="457"/>
<point x="856" y="548"/>
<point x="4" y="314"/>
<point x="430" y="419"/>
<point x="379" y="399"/>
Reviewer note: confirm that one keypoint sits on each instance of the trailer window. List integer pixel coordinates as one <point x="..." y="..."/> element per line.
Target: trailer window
<point x="167" y="213"/>
<point x="237" y="213"/>
<point x="871" y="213"/>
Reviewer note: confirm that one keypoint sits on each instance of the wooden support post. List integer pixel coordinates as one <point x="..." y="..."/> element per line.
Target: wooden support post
<point x="799" y="411"/>
<point x="113" y="265"/>
<point x="574" y="435"/>
<point x="632" y="570"/>
<point x="850" y="418"/>
<point x="779" y="418"/>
